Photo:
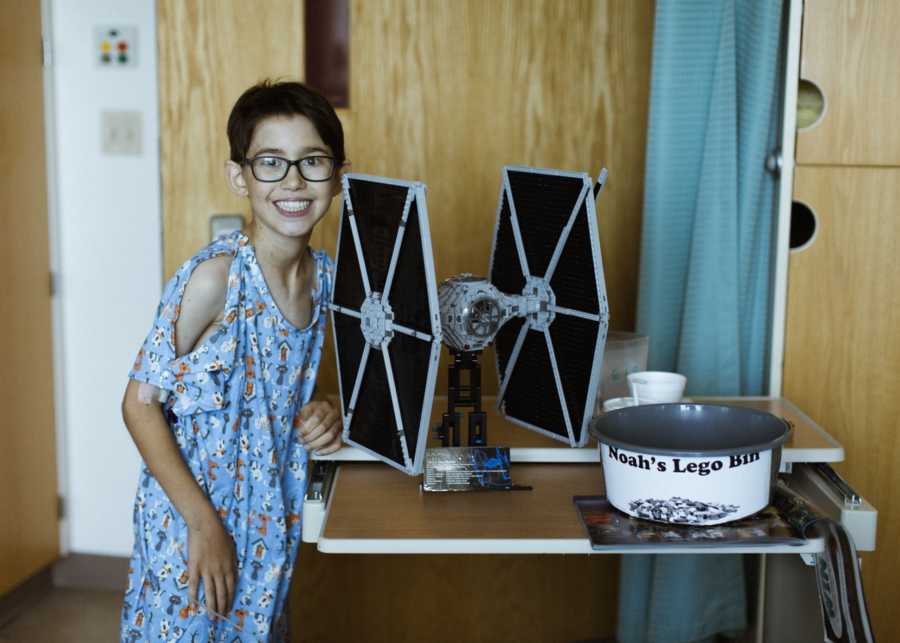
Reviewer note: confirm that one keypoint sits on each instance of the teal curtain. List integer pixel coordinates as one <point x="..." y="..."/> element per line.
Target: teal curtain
<point x="705" y="269"/>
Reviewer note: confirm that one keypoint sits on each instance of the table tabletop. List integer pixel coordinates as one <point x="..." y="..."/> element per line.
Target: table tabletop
<point x="377" y="509"/>
<point x="374" y="508"/>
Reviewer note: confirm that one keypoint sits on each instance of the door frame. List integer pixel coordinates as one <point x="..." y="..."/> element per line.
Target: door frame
<point x="781" y="244"/>
<point x="56" y="312"/>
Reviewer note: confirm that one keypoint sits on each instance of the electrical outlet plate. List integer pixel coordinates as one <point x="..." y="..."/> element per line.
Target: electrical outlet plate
<point x="220" y="224"/>
<point x="120" y="133"/>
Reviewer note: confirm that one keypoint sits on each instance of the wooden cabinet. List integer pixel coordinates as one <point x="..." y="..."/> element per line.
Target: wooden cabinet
<point x="842" y="334"/>
<point x="842" y="357"/>
<point x="842" y="346"/>
<point x="849" y="51"/>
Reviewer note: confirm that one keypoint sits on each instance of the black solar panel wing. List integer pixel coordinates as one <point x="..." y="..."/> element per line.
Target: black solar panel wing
<point x="546" y="249"/>
<point x="385" y="318"/>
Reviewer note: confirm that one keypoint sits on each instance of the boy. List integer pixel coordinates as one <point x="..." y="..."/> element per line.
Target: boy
<point x="218" y="401"/>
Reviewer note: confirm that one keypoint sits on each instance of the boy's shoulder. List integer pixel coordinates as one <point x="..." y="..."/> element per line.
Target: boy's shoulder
<point x="211" y="273"/>
<point x="203" y="301"/>
<point x="207" y="271"/>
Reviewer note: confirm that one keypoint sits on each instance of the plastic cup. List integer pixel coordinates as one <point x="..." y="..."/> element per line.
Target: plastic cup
<point x="656" y="387"/>
<point x="618" y="403"/>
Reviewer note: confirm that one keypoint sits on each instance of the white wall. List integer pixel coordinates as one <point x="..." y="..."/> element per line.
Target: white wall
<point x="107" y="242"/>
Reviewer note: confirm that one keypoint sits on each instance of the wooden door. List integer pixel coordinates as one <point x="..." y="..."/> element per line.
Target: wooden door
<point x="849" y="51"/>
<point x="29" y="536"/>
<point x="842" y="347"/>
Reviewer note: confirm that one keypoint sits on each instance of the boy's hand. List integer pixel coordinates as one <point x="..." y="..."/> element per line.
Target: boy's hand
<point x="211" y="558"/>
<point x="319" y="427"/>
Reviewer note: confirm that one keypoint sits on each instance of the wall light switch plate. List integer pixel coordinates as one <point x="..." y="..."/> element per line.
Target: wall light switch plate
<point x="220" y="224"/>
<point x="120" y="133"/>
<point x="115" y="46"/>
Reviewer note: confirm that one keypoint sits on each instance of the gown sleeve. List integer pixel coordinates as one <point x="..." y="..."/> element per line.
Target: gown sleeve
<point x="196" y="381"/>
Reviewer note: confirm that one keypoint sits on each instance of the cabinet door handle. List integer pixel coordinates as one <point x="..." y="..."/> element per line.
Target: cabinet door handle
<point x="775" y="162"/>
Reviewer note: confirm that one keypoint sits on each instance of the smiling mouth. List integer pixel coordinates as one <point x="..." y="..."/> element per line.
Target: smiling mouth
<point x="295" y="208"/>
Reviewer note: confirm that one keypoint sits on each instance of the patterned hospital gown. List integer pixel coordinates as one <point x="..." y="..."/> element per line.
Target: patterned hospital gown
<point x="232" y="407"/>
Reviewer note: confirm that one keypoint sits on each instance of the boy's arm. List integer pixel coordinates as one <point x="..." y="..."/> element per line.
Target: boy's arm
<point x="211" y="555"/>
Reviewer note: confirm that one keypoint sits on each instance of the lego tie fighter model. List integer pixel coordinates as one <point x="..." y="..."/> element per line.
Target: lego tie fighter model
<point x="544" y="306"/>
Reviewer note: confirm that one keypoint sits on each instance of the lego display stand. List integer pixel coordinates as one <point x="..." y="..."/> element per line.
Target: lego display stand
<point x="463" y="391"/>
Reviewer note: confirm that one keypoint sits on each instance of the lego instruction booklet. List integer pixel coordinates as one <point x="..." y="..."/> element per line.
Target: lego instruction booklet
<point x="467" y="469"/>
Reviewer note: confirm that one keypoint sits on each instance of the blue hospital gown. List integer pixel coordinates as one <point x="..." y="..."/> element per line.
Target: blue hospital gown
<point x="232" y="407"/>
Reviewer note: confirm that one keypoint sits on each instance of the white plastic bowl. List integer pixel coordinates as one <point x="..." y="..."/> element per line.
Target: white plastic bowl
<point x="696" y="464"/>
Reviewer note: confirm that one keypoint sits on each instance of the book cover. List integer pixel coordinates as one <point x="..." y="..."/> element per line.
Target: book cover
<point x="607" y="527"/>
<point x="466" y="469"/>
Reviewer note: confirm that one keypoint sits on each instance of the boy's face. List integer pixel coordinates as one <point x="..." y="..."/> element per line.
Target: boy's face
<point x="293" y="206"/>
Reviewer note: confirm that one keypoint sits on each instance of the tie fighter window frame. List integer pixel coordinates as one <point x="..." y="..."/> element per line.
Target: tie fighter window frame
<point x="385" y="318"/>
<point x="546" y="246"/>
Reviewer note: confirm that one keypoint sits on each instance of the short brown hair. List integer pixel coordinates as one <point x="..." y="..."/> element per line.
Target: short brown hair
<point x="286" y="98"/>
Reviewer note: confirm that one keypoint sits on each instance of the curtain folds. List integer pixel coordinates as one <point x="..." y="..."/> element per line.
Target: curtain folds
<point x="705" y="269"/>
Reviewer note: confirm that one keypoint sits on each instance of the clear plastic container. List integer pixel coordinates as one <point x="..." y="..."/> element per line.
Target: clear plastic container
<point x="625" y="353"/>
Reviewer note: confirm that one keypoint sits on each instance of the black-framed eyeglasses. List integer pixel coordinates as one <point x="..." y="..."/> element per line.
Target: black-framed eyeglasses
<point x="271" y="169"/>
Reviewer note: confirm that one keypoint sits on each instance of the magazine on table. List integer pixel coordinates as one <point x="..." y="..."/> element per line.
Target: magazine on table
<point x="608" y="528"/>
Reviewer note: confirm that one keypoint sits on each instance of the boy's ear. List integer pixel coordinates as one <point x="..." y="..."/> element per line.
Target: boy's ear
<point x="234" y="174"/>
<point x="341" y="171"/>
